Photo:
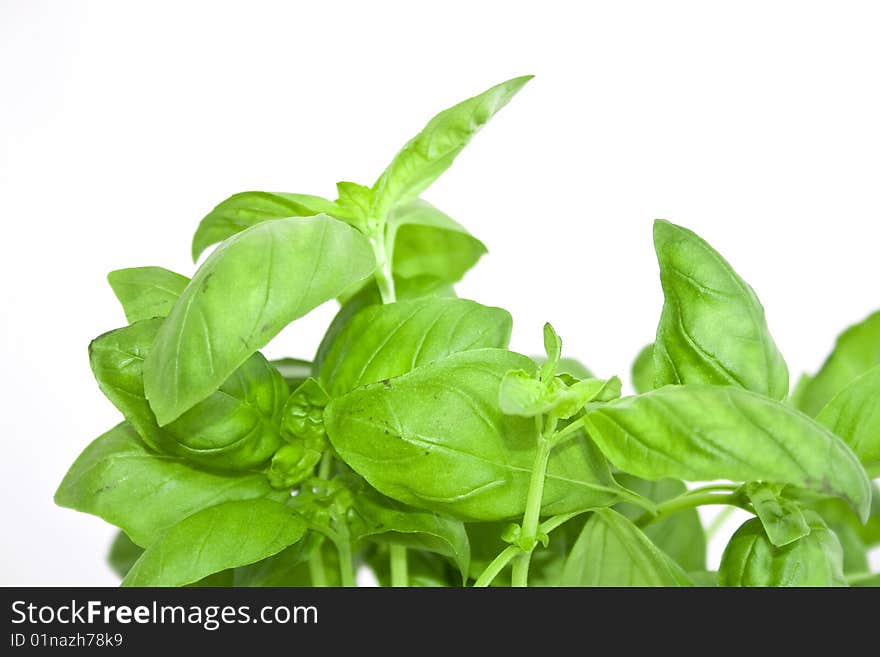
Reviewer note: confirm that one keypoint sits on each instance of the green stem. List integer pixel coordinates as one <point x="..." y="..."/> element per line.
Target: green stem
<point x="383" y="276"/>
<point x="532" y="515"/>
<point x="688" y="500"/>
<point x="346" y="567"/>
<point x="399" y="566"/>
<point x="316" y="564"/>
<point x="858" y="578"/>
<point x="326" y="465"/>
<point x="497" y="565"/>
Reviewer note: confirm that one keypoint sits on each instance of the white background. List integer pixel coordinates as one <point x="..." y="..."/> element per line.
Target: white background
<point x="122" y="123"/>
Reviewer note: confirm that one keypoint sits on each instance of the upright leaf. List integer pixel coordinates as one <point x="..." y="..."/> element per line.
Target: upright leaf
<point x="249" y="289"/>
<point x="856" y="351"/>
<point x="384" y="341"/>
<point x="436" y="439"/>
<point x="751" y="559"/>
<point x="118" y="479"/>
<point x="427" y="155"/>
<point x="854" y="415"/>
<point x="227" y="535"/>
<point x="680" y="535"/>
<point x="712" y="329"/>
<point x="236" y="427"/>
<point x="241" y="211"/>
<point x="702" y="433"/>
<point x="384" y="520"/>
<point x="146" y="292"/>
<point x="612" y="551"/>
<point x="426" y="242"/>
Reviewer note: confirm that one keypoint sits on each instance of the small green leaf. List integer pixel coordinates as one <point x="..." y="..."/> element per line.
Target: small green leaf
<point x="236" y="427"/>
<point x="427" y="155"/>
<point x="856" y="351"/>
<point x="612" y="551"/>
<point x="146" y="292"/>
<point x="854" y="415"/>
<point x="521" y="394"/>
<point x="123" y="553"/>
<point x="302" y="426"/>
<point x="245" y="209"/>
<point x="249" y="289"/>
<point x="703" y="433"/>
<point x="353" y="204"/>
<point x="643" y="370"/>
<point x="383" y="519"/>
<point x="384" y="341"/>
<point x="553" y="350"/>
<point x="680" y="535"/>
<point x="751" y="559"/>
<point x="712" y="329"/>
<point x="444" y="418"/>
<point x="783" y="519"/>
<point x="227" y="535"/>
<point x="118" y="479"/>
<point x="424" y="241"/>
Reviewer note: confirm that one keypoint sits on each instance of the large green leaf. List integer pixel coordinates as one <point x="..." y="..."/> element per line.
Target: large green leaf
<point x="250" y="288"/>
<point x="146" y="292"/>
<point x="856" y="351"/>
<point x="751" y="559"/>
<point x="436" y="438"/>
<point x="854" y="415"/>
<point x="385" y="341"/>
<point x="426" y="242"/>
<point x="226" y="535"/>
<point x="235" y="427"/>
<point x="703" y="432"/>
<point x="712" y="329"/>
<point x="118" y="479"/>
<point x="384" y="520"/>
<point x="612" y="551"/>
<point x="680" y="535"/>
<point x="245" y="209"/>
<point x="427" y="155"/>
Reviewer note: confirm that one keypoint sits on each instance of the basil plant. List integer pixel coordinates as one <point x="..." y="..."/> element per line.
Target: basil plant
<point x="417" y="445"/>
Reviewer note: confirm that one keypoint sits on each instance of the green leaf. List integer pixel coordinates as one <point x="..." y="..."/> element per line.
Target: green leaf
<point x="521" y="394"/>
<point x="294" y="370"/>
<point x="249" y="289"/>
<point x="245" y="209"/>
<point x="702" y="433"/>
<point x="427" y="155"/>
<point x="290" y="567"/>
<point x="302" y="426"/>
<point x="712" y="329"/>
<point x="643" y="370"/>
<point x="123" y="553"/>
<point x="384" y="341"/>
<point x="783" y="519"/>
<point x="424" y="241"/>
<point x="401" y="434"/>
<point x="856" y="351"/>
<point x="236" y="427"/>
<point x="353" y="204"/>
<point x="146" y="292"/>
<point x="680" y="535"/>
<point x="118" y="479"/>
<point x="383" y="519"/>
<point x="224" y="536"/>
<point x="854" y="415"/>
<point x="750" y="559"/>
<point x="612" y="551"/>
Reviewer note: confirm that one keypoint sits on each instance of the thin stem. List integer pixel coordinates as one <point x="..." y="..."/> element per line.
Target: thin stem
<point x="858" y="578"/>
<point x="316" y="564"/>
<point x="383" y="276"/>
<point x="326" y="465"/>
<point x="346" y="567"/>
<point x="688" y="501"/>
<point x="532" y="515"/>
<point x="497" y="565"/>
<point x="399" y="566"/>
